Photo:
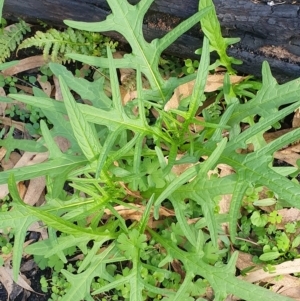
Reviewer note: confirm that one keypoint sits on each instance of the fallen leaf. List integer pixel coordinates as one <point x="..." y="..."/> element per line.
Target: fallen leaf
<point x="288" y="216"/>
<point x="11" y="161"/>
<point x="225" y="170"/>
<point x="34" y="190"/>
<point x="287" y="286"/>
<point x="26" y="160"/>
<point x="178" y="169"/>
<point x="28" y="265"/>
<point x="195" y="128"/>
<point x="46" y="86"/>
<point x="2" y="153"/>
<point x="13" y="288"/>
<point x="58" y="94"/>
<point x="27" y="90"/>
<point x="287" y="156"/>
<point x="214" y="82"/>
<point x="40" y="228"/>
<point x="177" y="267"/>
<point x="180" y="93"/>
<point x="245" y="261"/>
<point x="6" y="281"/>
<point x="25" y="64"/>
<point x="21" y="189"/>
<point x="3" y="105"/>
<point x="135" y="212"/>
<point x="63" y="143"/>
<point x="296" y="119"/>
<point x="285" y="268"/>
<point x="16" y="124"/>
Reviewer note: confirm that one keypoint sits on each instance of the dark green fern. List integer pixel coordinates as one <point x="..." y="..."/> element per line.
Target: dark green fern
<point x="56" y="44"/>
<point x="11" y="37"/>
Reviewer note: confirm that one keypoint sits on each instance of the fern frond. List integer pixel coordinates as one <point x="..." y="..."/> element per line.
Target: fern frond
<point x="56" y="44"/>
<point x="11" y="38"/>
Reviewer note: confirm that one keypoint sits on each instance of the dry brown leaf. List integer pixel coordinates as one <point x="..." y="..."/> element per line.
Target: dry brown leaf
<point x="2" y="153"/>
<point x="21" y="189"/>
<point x="214" y="82"/>
<point x="284" y="268"/>
<point x="296" y="119"/>
<point x="11" y="161"/>
<point x="287" y="286"/>
<point x="295" y="147"/>
<point x="271" y="136"/>
<point x="63" y="143"/>
<point x="124" y="72"/>
<point x="178" y="169"/>
<point x="291" y="292"/>
<point x="28" y="266"/>
<point x="46" y="86"/>
<point x="180" y="93"/>
<point x="137" y="212"/>
<point x="26" y="160"/>
<point x="16" y="124"/>
<point x="6" y="278"/>
<point x="27" y="90"/>
<point x="224" y="204"/>
<point x="288" y="216"/>
<point x="6" y="281"/>
<point x="287" y="156"/>
<point x="245" y="260"/>
<point x="58" y="94"/>
<point x="40" y="228"/>
<point x="25" y="64"/>
<point x="36" y="158"/>
<point x="195" y="128"/>
<point x="3" y="105"/>
<point x="83" y="70"/>
<point x="2" y="92"/>
<point x="127" y="95"/>
<point x="35" y="189"/>
<point x="177" y="267"/>
<point x="135" y="194"/>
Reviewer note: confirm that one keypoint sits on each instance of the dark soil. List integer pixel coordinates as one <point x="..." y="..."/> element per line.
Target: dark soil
<point x="19" y="294"/>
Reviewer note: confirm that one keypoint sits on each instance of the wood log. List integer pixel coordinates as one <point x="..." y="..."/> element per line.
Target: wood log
<point x="268" y="30"/>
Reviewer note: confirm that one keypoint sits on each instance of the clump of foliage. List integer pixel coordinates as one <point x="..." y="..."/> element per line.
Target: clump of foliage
<point x="11" y="37"/>
<point x="259" y="231"/>
<point x="118" y="158"/>
<point x="56" y="44"/>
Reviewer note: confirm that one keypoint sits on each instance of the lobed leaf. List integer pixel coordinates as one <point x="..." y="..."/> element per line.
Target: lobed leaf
<point x="83" y="131"/>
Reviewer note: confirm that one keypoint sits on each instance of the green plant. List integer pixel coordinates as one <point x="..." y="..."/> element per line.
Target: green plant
<point x="56" y="44"/>
<point x="259" y="233"/>
<point x="11" y="37"/>
<point x="119" y="159"/>
<point x="190" y="66"/>
<point x="9" y="81"/>
<point x="30" y="115"/>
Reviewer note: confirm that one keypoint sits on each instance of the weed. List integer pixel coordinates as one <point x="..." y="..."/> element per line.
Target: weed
<point x="56" y="44"/>
<point x="130" y="214"/>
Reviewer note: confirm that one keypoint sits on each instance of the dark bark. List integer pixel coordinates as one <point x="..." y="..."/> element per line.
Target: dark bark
<point x="267" y="32"/>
